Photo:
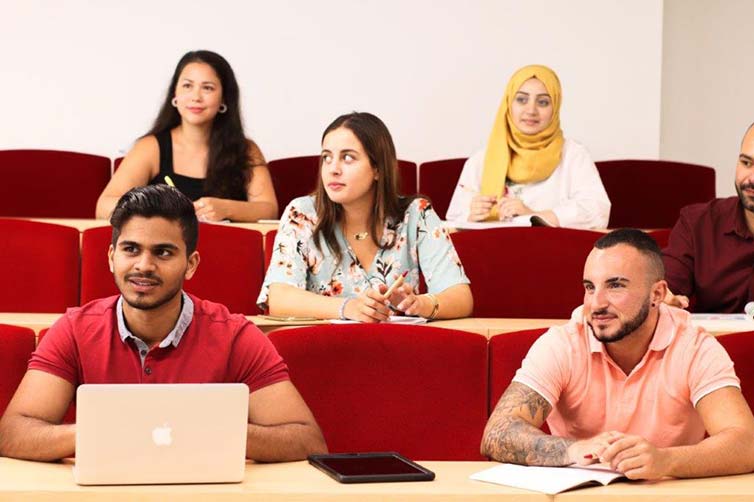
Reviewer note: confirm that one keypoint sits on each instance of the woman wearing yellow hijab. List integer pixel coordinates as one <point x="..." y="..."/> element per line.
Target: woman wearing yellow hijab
<point x="528" y="168"/>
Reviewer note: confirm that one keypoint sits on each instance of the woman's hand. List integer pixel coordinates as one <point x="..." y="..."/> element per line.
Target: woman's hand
<point x="480" y="208"/>
<point x="509" y="207"/>
<point x="212" y="209"/>
<point x="405" y="300"/>
<point x="370" y="306"/>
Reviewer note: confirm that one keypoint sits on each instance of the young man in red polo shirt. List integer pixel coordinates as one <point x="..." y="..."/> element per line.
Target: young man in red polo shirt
<point x="153" y="332"/>
<point x="627" y="381"/>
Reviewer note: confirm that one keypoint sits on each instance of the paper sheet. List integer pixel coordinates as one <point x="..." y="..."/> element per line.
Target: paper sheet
<point x="550" y="480"/>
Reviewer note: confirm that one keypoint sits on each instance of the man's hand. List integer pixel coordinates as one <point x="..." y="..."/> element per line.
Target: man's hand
<point x="679" y="301"/>
<point x="637" y="458"/>
<point x="589" y="451"/>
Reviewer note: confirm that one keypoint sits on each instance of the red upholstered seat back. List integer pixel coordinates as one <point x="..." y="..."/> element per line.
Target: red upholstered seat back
<point x="421" y="391"/>
<point x="39" y="263"/>
<point x="269" y="243"/>
<point x="660" y="236"/>
<point x="507" y="350"/>
<point x="297" y="176"/>
<point x="51" y="184"/>
<point x="525" y="272"/>
<point x="740" y="347"/>
<point x="16" y="344"/>
<point x="230" y="271"/>
<point x="70" y="415"/>
<point x="651" y="193"/>
<point x="438" y="180"/>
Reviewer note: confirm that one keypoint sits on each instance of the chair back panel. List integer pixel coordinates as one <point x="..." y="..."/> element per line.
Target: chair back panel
<point x="418" y="390"/>
<point x="525" y="272"/>
<point x="438" y="180"/>
<point x="51" y="184"/>
<point x="40" y="264"/>
<point x="651" y="193"/>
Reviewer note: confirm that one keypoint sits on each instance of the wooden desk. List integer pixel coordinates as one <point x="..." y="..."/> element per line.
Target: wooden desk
<point x="488" y="327"/>
<point x="294" y="481"/>
<point x="298" y="481"/>
<point x="495" y="326"/>
<point x="721" y="489"/>
<point x="85" y="224"/>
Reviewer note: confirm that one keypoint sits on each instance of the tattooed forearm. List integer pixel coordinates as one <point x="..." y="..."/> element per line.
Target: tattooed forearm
<point x="511" y="437"/>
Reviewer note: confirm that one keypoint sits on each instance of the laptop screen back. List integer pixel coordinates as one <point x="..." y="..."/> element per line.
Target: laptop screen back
<point x="161" y="433"/>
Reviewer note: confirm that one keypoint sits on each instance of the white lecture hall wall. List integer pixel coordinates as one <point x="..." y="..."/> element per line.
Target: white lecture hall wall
<point x="90" y="75"/>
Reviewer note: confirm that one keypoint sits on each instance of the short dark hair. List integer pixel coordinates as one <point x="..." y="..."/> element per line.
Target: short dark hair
<point x="153" y="201"/>
<point x="639" y="240"/>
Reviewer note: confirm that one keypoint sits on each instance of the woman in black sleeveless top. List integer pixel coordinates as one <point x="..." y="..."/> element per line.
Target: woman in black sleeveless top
<point x="198" y="143"/>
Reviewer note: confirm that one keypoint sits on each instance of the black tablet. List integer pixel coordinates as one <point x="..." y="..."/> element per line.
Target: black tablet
<point x="370" y="467"/>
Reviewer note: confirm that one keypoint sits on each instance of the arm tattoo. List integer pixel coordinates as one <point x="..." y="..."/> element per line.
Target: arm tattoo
<point x="512" y="435"/>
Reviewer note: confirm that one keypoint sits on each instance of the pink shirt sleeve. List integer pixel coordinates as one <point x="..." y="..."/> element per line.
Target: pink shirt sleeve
<point x="255" y="361"/>
<point x="546" y="367"/>
<point x="711" y="369"/>
<point x="56" y="353"/>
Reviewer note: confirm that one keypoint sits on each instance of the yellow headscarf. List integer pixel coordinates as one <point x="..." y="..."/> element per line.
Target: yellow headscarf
<point x="520" y="157"/>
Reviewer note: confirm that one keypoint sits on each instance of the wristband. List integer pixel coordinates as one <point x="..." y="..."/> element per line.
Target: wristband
<point x="342" y="310"/>
<point x="435" y="306"/>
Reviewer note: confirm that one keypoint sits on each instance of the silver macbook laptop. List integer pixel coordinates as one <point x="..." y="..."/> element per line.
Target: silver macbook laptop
<point x="161" y="433"/>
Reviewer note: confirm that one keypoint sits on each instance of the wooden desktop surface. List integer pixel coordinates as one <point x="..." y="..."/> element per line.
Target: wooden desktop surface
<point x="293" y="481"/>
<point x="298" y="481"/>
<point x="485" y="327"/>
<point x="488" y="327"/>
<point x="85" y="224"/>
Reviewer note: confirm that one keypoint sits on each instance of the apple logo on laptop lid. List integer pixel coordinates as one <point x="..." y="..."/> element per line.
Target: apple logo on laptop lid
<point x="162" y="436"/>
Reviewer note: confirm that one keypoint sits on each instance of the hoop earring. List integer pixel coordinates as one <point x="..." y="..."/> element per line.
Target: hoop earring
<point x="174" y="102"/>
<point x="223" y="108"/>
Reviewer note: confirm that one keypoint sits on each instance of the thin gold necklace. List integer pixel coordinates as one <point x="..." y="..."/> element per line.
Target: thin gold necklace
<point x="360" y="236"/>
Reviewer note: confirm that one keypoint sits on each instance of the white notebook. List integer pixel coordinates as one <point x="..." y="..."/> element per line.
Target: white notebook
<point x="550" y="480"/>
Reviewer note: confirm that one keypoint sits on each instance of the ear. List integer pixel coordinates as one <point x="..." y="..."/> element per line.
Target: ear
<point x="110" y="253"/>
<point x="658" y="292"/>
<point x="193" y="264"/>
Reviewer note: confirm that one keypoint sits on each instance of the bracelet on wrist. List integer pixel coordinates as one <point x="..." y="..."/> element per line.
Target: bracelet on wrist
<point x="342" y="310"/>
<point x="435" y="306"/>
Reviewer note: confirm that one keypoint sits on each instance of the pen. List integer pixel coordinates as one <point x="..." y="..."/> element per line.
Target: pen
<point x="169" y="181"/>
<point x="398" y="282"/>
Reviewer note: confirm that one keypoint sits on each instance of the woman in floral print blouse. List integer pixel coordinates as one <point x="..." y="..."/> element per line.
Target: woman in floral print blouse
<point x="337" y="251"/>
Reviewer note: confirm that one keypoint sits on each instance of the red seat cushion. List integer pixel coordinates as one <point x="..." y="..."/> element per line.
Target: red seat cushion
<point x="740" y="348"/>
<point x="421" y="391"/>
<point x="230" y="271"/>
<point x="52" y="184"/>
<point x="438" y="180"/>
<point x="638" y="203"/>
<point x="507" y="351"/>
<point x="39" y="263"/>
<point x="525" y="272"/>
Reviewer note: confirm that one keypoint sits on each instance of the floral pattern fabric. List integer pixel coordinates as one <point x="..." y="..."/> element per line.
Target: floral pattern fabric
<point x="418" y="243"/>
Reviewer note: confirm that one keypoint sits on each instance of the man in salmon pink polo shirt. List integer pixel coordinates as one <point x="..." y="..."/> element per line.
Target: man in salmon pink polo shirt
<point x="153" y="332"/>
<point x="627" y="381"/>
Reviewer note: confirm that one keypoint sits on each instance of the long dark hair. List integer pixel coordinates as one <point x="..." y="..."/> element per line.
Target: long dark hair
<point x="388" y="204"/>
<point x="228" y="166"/>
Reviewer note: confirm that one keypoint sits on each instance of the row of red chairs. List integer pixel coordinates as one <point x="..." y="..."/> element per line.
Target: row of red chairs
<point x="426" y="392"/>
<point x="644" y="193"/>
<point x="514" y="272"/>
